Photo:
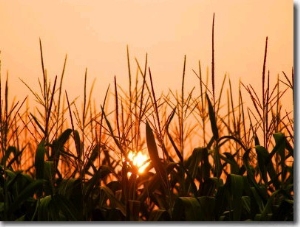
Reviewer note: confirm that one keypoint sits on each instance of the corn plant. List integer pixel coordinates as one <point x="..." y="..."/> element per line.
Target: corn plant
<point x="65" y="160"/>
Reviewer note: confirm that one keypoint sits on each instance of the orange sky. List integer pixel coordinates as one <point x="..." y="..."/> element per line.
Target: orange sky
<point x="95" y="35"/>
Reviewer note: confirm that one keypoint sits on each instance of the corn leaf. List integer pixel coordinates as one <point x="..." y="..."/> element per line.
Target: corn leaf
<point x="102" y="172"/>
<point x="77" y="143"/>
<point x="285" y="211"/>
<point x="66" y="207"/>
<point x="268" y="208"/>
<point x="246" y="206"/>
<point x="234" y="167"/>
<point x="58" y="144"/>
<point x="199" y="156"/>
<point x="7" y="153"/>
<point x="256" y="201"/>
<point x="262" y="155"/>
<point x="25" y="194"/>
<point x="187" y="209"/>
<point x="281" y="144"/>
<point x="133" y="209"/>
<point x="71" y="189"/>
<point x="212" y="118"/>
<point x="235" y="185"/>
<point x="159" y="215"/>
<point x="43" y="211"/>
<point x="151" y="182"/>
<point x="39" y="160"/>
<point x="207" y="204"/>
<point x="209" y="186"/>
<point x="113" y="199"/>
<point x="194" y="209"/>
<point x="62" y="139"/>
<point x="198" y="166"/>
<point x="153" y="153"/>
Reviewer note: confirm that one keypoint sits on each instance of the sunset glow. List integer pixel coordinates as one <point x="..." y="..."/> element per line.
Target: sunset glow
<point x="94" y="35"/>
<point x="139" y="160"/>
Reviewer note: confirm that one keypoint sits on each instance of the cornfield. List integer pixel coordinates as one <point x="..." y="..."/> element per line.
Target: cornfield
<point x="207" y="159"/>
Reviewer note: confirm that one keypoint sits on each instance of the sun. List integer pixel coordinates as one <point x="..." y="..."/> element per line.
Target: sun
<point x="139" y="160"/>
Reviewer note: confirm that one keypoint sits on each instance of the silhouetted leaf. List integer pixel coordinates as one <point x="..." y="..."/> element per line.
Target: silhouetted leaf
<point x="27" y="192"/>
<point x="187" y="209"/>
<point x="39" y="160"/>
<point x="159" y="215"/>
<point x="153" y="153"/>
<point x="235" y="185"/>
<point x="113" y="199"/>
<point x="212" y="118"/>
<point x="77" y="143"/>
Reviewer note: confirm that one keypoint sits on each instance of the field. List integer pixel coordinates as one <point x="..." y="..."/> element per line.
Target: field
<point x="198" y="155"/>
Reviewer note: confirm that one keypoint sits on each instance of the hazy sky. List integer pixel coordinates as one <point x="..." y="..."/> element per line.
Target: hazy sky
<point x="94" y="35"/>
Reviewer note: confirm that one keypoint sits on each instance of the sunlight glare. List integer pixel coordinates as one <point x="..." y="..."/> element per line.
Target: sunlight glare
<point x="139" y="160"/>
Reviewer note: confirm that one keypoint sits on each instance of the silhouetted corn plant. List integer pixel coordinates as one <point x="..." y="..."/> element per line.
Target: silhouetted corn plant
<point x="207" y="161"/>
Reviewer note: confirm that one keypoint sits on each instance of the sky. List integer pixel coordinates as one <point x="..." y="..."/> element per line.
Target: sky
<point x="94" y="36"/>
